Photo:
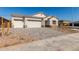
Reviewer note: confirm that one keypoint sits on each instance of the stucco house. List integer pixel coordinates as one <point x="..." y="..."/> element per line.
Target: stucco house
<point x="35" y="21"/>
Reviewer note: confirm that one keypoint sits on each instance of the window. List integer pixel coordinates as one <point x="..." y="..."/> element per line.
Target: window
<point x="54" y="22"/>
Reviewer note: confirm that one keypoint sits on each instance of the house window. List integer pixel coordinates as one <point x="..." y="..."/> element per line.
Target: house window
<point x="54" y="22"/>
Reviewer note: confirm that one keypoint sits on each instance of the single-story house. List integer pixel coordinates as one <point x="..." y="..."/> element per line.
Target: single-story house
<point x="5" y="21"/>
<point x="35" y="21"/>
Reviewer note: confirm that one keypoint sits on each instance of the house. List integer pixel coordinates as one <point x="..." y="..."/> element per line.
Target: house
<point x="75" y="23"/>
<point x="5" y="21"/>
<point x="64" y="23"/>
<point x="35" y="21"/>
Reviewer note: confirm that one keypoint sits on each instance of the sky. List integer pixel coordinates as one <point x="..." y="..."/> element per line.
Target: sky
<point x="62" y="13"/>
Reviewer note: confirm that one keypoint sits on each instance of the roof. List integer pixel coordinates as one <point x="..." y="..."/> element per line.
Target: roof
<point x="64" y="21"/>
<point x="40" y="14"/>
<point x="50" y="17"/>
<point x="75" y="22"/>
<point x="17" y="15"/>
<point x="34" y="16"/>
<point x="4" y="19"/>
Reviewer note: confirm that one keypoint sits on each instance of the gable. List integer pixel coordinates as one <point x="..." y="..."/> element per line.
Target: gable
<point x="54" y="18"/>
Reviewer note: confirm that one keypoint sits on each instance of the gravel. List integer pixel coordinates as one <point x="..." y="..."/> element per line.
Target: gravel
<point x="25" y="35"/>
<point x="40" y="33"/>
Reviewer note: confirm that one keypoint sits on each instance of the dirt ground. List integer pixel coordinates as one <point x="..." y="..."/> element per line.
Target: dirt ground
<point x="13" y="39"/>
<point x="18" y="36"/>
<point x="68" y="42"/>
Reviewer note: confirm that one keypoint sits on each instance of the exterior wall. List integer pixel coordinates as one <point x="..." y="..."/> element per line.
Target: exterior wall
<point x="18" y="22"/>
<point x="51" y="21"/>
<point x="47" y="21"/>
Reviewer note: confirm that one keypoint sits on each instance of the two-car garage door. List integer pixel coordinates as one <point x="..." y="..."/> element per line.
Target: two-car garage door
<point x="29" y="24"/>
<point x="33" y="24"/>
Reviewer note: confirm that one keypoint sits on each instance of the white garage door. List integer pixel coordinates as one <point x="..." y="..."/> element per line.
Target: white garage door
<point x="33" y="24"/>
<point x="18" y="24"/>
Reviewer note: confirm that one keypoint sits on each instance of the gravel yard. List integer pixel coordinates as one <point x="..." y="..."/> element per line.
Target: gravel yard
<point x="40" y="33"/>
<point x="68" y="42"/>
<point x="28" y="35"/>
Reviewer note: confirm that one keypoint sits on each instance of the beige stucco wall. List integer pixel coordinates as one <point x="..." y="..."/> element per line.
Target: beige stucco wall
<point x="50" y="20"/>
<point x="33" y="24"/>
<point x="53" y="19"/>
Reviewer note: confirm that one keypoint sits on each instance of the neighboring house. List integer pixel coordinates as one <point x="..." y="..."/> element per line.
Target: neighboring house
<point x="64" y="23"/>
<point x="5" y="21"/>
<point x="75" y="23"/>
<point x="35" y="21"/>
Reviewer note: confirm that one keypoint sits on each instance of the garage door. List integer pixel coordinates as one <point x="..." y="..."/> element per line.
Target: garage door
<point x="33" y="24"/>
<point x="18" y="24"/>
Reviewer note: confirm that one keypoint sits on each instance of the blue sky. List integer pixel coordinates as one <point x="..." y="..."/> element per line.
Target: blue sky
<point x="64" y="13"/>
